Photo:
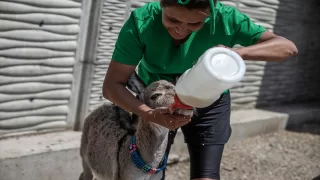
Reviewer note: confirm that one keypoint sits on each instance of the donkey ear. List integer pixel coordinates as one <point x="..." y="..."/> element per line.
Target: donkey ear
<point x="135" y="84"/>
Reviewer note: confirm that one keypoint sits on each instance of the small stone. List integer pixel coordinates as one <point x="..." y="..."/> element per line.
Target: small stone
<point x="173" y="158"/>
<point x="184" y="159"/>
<point x="227" y="168"/>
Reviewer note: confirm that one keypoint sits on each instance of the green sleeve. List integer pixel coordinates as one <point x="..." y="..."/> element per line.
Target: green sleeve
<point x="246" y="31"/>
<point x="128" y="48"/>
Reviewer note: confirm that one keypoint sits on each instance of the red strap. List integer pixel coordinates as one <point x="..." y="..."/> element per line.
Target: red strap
<point x="178" y="105"/>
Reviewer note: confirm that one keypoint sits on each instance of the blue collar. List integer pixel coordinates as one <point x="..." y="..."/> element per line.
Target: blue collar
<point x="135" y="157"/>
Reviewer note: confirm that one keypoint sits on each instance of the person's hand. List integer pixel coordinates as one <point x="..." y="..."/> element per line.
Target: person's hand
<point x="163" y="117"/>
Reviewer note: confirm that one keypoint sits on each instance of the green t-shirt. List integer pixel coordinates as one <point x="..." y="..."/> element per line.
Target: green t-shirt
<point x="144" y="41"/>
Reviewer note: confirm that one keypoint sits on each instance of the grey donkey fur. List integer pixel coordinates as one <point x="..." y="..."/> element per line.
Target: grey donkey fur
<point x="106" y="136"/>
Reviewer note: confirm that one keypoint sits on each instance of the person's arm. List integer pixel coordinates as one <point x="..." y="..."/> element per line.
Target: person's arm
<point x="270" y="47"/>
<point x="126" y="56"/>
<point x="257" y="43"/>
<point x="114" y="89"/>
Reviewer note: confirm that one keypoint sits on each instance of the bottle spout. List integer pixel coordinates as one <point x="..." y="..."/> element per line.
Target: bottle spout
<point x="178" y="105"/>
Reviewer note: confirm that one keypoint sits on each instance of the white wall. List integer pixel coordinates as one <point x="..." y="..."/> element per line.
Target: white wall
<point x="40" y="50"/>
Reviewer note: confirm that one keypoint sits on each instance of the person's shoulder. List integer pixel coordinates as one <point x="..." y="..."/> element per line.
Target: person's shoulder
<point x="230" y="17"/>
<point x="226" y="10"/>
<point x="147" y="11"/>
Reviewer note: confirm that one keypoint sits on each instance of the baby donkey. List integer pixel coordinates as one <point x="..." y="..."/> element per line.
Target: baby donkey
<point x="118" y="145"/>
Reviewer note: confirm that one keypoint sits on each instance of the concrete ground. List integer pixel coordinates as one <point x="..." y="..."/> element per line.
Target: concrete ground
<point x="282" y="155"/>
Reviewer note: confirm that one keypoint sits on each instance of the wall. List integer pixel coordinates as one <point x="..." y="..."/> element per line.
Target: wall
<point x="113" y="16"/>
<point x="296" y="80"/>
<point x="40" y="53"/>
<point x="108" y="18"/>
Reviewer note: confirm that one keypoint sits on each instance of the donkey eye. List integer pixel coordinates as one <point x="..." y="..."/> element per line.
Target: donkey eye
<point x="155" y="96"/>
<point x="168" y="87"/>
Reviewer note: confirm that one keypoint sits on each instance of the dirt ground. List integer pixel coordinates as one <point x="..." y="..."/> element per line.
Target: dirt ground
<point x="285" y="155"/>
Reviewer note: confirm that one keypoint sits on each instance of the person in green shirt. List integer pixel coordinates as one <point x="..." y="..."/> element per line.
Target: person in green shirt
<point x="164" y="39"/>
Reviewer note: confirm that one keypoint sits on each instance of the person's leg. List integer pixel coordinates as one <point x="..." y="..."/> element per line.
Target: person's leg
<point x="205" y="136"/>
<point x="205" y="161"/>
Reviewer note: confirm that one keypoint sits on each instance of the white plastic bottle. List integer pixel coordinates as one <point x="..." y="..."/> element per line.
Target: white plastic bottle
<point x="217" y="70"/>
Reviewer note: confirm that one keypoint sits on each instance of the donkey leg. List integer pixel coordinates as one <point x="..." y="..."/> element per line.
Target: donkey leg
<point x="86" y="174"/>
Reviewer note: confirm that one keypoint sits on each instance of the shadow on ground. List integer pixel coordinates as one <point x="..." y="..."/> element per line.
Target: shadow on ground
<point x="312" y="127"/>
